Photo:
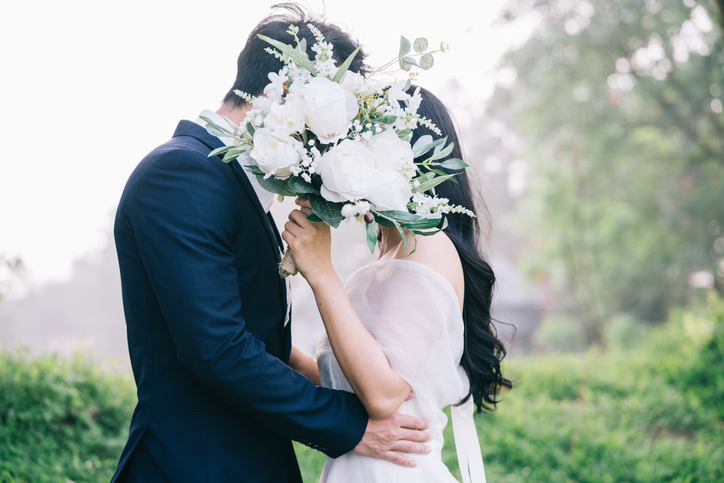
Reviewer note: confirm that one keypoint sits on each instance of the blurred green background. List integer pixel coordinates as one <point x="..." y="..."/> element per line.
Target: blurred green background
<point x="612" y="110"/>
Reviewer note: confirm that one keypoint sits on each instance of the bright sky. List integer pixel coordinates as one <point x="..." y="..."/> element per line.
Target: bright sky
<point x="88" y="87"/>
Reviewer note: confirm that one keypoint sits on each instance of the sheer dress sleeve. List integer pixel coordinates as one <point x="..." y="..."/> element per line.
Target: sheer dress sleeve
<point x="414" y="315"/>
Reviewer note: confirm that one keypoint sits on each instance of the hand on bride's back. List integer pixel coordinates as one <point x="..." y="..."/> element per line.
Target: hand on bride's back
<point x="310" y="243"/>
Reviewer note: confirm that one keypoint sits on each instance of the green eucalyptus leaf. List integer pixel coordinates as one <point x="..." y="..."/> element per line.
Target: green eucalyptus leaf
<point x="389" y="119"/>
<point x="254" y="169"/>
<point x="211" y="125"/>
<point x="426" y="232"/>
<point x="428" y="147"/>
<point x="427" y="185"/>
<point x="274" y="185"/>
<point x="427" y="61"/>
<point x="330" y="213"/>
<point x="250" y="129"/>
<point x="345" y="66"/>
<point x="221" y="150"/>
<point x="439" y="147"/>
<point x="438" y="171"/>
<point x="301" y="186"/>
<point x="420" y="44"/>
<point x="297" y="56"/>
<point x="454" y="163"/>
<point x="382" y="221"/>
<point x="404" y="133"/>
<point x="421" y="143"/>
<point x="404" y="65"/>
<point x="399" y="215"/>
<point x="235" y="153"/>
<point x="442" y="153"/>
<point x="405" y="46"/>
<point x="230" y="122"/>
<point x="422" y="223"/>
<point x="371" y="236"/>
<point x="403" y="235"/>
<point x="411" y="61"/>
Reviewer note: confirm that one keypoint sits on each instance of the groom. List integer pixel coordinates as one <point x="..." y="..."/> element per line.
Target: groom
<point x="208" y="316"/>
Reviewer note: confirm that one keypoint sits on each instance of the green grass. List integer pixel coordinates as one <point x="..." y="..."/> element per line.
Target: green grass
<point x="651" y="413"/>
<point x="654" y="413"/>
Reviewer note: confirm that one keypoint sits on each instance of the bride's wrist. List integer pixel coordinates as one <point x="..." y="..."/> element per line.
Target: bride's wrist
<point x="322" y="277"/>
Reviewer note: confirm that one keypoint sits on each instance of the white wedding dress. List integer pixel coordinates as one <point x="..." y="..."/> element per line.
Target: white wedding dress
<point x="414" y="314"/>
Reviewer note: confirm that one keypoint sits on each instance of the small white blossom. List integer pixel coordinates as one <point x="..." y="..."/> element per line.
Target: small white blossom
<point x="396" y="93"/>
<point x="360" y="208"/>
<point x="275" y="89"/>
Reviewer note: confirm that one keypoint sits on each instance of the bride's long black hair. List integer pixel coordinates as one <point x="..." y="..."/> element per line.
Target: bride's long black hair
<point x="483" y="350"/>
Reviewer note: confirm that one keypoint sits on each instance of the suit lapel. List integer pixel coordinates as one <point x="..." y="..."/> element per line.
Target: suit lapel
<point x="188" y="128"/>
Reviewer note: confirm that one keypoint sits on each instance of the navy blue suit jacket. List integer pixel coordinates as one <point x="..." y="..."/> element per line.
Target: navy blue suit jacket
<point x="205" y="311"/>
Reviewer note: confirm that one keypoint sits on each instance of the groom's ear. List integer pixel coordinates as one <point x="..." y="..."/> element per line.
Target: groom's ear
<point x="255" y="63"/>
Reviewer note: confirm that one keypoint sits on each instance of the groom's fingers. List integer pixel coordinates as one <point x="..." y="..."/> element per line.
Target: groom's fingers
<point x="398" y="459"/>
<point x="414" y="436"/>
<point x="410" y="422"/>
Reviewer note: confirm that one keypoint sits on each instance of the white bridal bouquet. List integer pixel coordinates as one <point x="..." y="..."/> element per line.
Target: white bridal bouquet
<point x="343" y="141"/>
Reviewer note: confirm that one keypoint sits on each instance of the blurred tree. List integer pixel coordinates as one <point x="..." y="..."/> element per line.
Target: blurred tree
<point x="619" y="105"/>
<point x="10" y="270"/>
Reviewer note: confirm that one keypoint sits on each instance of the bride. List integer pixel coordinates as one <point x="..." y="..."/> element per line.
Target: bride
<point x="408" y="325"/>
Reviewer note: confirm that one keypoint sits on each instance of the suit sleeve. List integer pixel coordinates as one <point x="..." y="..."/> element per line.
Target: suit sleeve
<point x="184" y="217"/>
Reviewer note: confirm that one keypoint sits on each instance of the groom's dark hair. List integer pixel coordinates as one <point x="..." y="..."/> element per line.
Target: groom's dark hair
<point x="255" y="63"/>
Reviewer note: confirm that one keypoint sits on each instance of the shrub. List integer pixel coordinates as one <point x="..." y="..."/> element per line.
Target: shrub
<point x="61" y="419"/>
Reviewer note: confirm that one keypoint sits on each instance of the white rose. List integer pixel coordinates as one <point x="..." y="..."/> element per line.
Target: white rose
<point x="329" y="109"/>
<point x="275" y="155"/>
<point x="392" y="152"/>
<point x="391" y="191"/>
<point x="347" y="171"/>
<point x="285" y="119"/>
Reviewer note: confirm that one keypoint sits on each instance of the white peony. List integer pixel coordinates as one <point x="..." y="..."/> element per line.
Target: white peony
<point x="275" y="155"/>
<point x="347" y="171"/>
<point x="391" y="191"/>
<point x="285" y="119"/>
<point x="329" y="109"/>
<point x="392" y="152"/>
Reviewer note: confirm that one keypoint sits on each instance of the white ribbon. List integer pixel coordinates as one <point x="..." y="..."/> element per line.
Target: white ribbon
<point x="467" y="445"/>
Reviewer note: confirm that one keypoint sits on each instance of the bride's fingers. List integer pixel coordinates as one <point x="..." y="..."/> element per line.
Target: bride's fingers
<point x="293" y="229"/>
<point x="299" y="218"/>
<point x="303" y="202"/>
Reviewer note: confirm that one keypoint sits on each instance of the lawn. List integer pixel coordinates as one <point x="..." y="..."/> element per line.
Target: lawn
<point x="651" y="413"/>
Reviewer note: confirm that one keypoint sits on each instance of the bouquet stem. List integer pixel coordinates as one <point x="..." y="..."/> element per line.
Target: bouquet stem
<point x="287" y="267"/>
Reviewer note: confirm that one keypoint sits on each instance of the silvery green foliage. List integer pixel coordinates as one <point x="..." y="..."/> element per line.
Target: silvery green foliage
<point x="342" y="140"/>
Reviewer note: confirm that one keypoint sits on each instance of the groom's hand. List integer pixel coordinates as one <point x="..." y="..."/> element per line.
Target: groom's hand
<point x="387" y="439"/>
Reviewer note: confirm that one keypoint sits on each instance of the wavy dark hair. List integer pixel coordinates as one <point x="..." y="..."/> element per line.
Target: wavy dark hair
<point x="254" y="62"/>
<point x="483" y="351"/>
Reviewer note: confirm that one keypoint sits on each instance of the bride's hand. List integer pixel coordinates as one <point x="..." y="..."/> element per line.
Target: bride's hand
<point x="310" y="243"/>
